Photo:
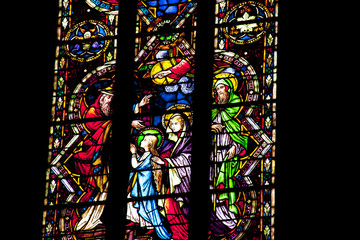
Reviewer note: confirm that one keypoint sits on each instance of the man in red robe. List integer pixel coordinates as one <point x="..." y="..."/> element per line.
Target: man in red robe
<point x="89" y="160"/>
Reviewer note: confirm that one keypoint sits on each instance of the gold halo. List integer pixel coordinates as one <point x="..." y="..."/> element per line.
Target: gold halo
<point x="229" y="76"/>
<point x="166" y="117"/>
<point x="158" y="67"/>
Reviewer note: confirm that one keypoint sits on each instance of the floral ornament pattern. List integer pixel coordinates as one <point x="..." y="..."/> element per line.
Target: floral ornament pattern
<point x="93" y="32"/>
<point x="246" y="22"/>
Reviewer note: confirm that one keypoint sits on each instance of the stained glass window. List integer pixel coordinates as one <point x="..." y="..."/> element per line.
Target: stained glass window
<point x="157" y="204"/>
<point x="84" y="74"/>
<point x="161" y="146"/>
<point x="243" y="119"/>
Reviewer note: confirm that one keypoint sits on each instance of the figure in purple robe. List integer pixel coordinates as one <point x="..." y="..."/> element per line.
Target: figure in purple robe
<point x="177" y="156"/>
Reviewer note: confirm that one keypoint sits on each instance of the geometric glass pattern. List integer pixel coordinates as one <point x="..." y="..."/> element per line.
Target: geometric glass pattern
<point x="241" y="179"/>
<point x="84" y="74"/>
<point x="242" y="162"/>
<point x="161" y="145"/>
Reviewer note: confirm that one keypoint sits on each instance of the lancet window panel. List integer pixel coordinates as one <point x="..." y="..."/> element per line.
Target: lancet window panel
<point x="81" y="126"/>
<point x="161" y="134"/>
<point x="243" y="121"/>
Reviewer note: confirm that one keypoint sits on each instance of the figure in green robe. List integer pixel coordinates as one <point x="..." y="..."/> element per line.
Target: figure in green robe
<point x="231" y="141"/>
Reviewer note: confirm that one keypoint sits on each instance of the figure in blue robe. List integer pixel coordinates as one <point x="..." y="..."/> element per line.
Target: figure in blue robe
<point x="145" y="187"/>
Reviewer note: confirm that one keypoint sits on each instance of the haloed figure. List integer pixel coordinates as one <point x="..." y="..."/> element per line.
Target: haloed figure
<point x="177" y="156"/>
<point x="90" y="162"/>
<point x="231" y="144"/>
<point x="146" y="184"/>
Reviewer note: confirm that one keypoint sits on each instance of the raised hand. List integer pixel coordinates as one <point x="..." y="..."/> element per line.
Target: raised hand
<point x="145" y="100"/>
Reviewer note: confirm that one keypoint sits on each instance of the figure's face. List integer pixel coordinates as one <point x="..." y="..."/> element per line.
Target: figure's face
<point x="148" y="142"/>
<point x="105" y="106"/>
<point x="145" y="143"/>
<point x="222" y="95"/>
<point x="176" y="124"/>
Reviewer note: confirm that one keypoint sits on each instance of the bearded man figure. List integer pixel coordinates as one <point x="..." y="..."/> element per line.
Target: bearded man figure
<point x="230" y="144"/>
<point x="89" y="159"/>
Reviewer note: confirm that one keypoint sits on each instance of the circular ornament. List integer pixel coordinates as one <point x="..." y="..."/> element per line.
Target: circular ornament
<point x="88" y="40"/>
<point x="247" y="22"/>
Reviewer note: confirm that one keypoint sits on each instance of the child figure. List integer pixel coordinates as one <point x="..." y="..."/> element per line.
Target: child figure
<point x="147" y="183"/>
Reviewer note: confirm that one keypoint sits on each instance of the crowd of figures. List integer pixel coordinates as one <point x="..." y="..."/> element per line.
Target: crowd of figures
<point x="161" y="155"/>
<point x="162" y="164"/>
<point x="161" y="131"/>
<point x="161" y="172"/>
